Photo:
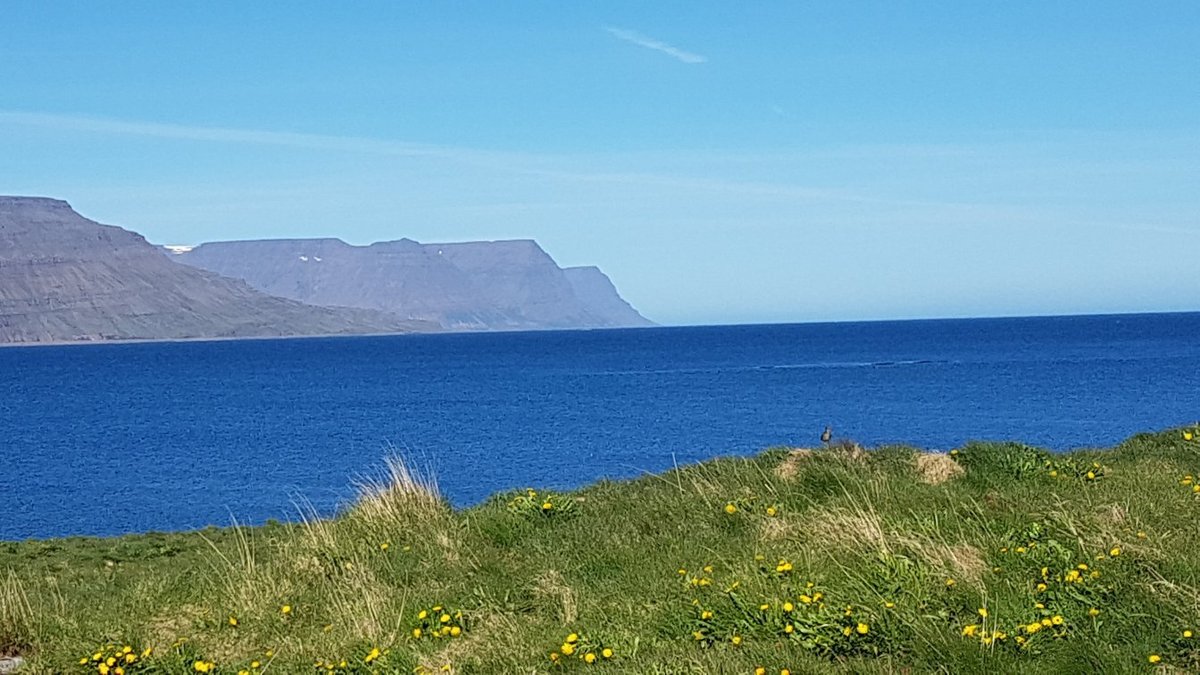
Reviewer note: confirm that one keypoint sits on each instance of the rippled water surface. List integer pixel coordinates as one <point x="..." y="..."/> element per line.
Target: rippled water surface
<point x="105" y="439"/>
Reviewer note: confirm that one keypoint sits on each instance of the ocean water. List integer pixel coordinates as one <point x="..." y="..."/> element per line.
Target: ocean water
<point x="107" y="439"/>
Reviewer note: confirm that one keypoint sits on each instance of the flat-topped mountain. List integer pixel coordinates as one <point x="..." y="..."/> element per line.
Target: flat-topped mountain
<point x="64" y="277"/>
<point x="493" y="285"/>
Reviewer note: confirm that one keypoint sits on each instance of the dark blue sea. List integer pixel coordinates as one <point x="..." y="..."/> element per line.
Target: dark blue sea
<point x="107" y="439"/>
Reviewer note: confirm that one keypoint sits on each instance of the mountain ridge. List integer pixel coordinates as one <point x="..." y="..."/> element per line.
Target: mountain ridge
<point x="66" y="278"/>
<point x="507" y="284"/>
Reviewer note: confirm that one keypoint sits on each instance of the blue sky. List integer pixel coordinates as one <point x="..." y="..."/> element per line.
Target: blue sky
<point x="723" y="162"/>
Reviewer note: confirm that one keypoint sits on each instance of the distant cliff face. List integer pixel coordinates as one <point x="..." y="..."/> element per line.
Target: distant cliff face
<point x="500" y="285"/>
<point x="64" y="277"/>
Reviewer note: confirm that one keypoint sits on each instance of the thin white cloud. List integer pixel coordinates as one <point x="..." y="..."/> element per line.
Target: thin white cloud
<point x="634" y="37"/>
<point x="224" y="134"/>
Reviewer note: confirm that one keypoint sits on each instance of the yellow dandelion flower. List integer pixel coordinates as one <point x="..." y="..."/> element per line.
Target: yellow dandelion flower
<point x="1187" y="436"/>
<point x="789" y="629"/>
<point x="567" y="649"/>
<point x="1155" y="658"/>
<point x="1033" y="628"/>
<point x="847" y="631"/>
<point x="970" y="631"/>
<point x="372" y="655"/>
<point x="771" y="511"/>
<point x="736" y="639"/>
<point x="983" y="612"/>
<point x="806" y="599"/>
<point x="416" y="632"/>
<point x="102" y="669"/>
<point x="1041" y="587"/>
<point x="764" y="607"/>
<point x="862" y="628"/>
<point x="730" y="508"/>
<point x="422" y="614"/>
<point x="1093" y="612"/>
<point x="254" y="665"/>
<point x="445" y="618"/>
<point x="1187" y="634"/>
<point x="1047" y="623"/>
<point x="546" y="506"/>
<point x="787" y="607"/>
<point x="888" y="604"/>
<point x="705" y="615"/>
<point x="1091" y="475"/>
<point x="589" y="657"/>
<point x="1057" y="620"/>
<point x="233" y="621"/>
<point x="1116" y="551"/>
<point x="1141" y="534"/>
<point x="606" y="653"/>
<point x="1021" y="549"/>
<point x="455" y="631"/>
<point x="286" y="609"/>
<point x="760" y="671"/>
<point x="573" y="638"/>
<point x="553" y="656"/>
<point x="949" y="583"/>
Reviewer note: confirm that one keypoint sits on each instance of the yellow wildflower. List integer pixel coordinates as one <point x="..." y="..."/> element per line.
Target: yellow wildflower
<point x="589" y="657"/>
<point x="846" y="631"/>
<point x="1155" y="658"/>
<point x="1187" y="634"/>
<point x="445" y="618"/>
<point x="970" y="631"/>
<point x="1057" y="620"/>
<point x="771" y="511"/>
<point x="1091" y="475"/>
<point x="1093" y="612"/>
<point x="1033" y="628"/>
<point x="546" y="506"/>
<point x="862" y="628"/>
<point x="705" y="615"/>
<point x="949" y="583"/>
<point x="567" y="649"/>
<point x="573" y="638"/>
<point x="760" y="671"/>
<point x="286" y="609"/>
<point x="789" y="629"/>
<point x="730" y="508"/>
<point x="1116" y="551"/>
<point x="416" y="632"/>
<point x="372" y="655"/>
<point x="455" y="631"/>
<point x="983" y="612"/>
<point x="233" y="621"/>
<point x="736" y="639"/>
<point x="806" y="599"/>
<point x="787" y="606"/>
<point x="1187" y="436"/>
<point x="606" y="653"/>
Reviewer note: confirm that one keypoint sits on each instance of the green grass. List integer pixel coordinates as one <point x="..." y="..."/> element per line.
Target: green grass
<point x="659" y="571"/>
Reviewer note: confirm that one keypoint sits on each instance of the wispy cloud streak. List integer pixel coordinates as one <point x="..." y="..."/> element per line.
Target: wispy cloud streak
<point x="634" y="37"/>
<point x="223" y="134"/>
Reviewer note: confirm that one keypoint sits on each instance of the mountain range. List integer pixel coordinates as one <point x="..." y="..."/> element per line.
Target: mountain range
<point x="494" y="285"/>
<point x="66" y="278"/>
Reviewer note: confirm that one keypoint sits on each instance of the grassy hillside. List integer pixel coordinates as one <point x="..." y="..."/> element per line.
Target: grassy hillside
<point x="996" y="558"/>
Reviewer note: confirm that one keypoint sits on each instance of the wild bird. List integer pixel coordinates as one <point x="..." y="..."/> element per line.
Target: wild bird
<point x="827" y="435"/>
